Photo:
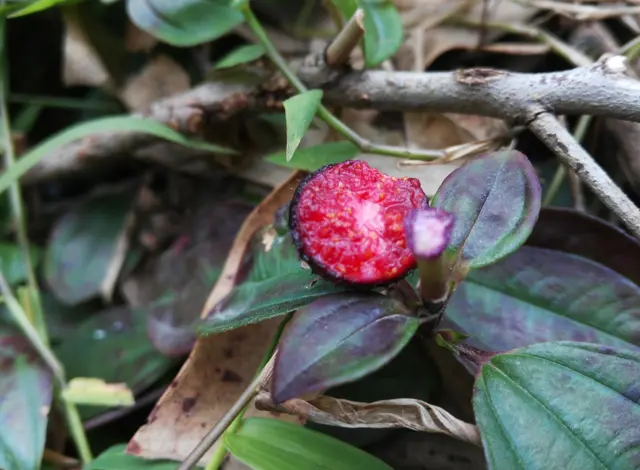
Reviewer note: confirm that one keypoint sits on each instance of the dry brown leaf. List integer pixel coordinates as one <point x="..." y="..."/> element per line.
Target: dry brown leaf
<point x="263" y="172"/>
<point x="220" y="366"/>
<point x="580" y="12"/>
<point x="82" y="65"/>
<point x="160" y="78"/>
<point x="405" y="413"/>
<point x="424" y="44"/>
<point x="438" y="131"/>
<point x="436" y="41"/>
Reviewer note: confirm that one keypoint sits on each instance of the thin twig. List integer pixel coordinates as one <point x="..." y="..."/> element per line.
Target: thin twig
<point x="583" y="12"/>
<point x="214" y="434"/>
<point x="335" y="123"/>
<point x="558" y="177"/>
<point x="339" y="51"/>
<point x="601" y="89"/>
<point x="547" y="128"/>
<point x="560" y="47"/>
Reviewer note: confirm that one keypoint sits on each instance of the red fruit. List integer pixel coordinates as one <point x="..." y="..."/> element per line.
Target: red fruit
<point x="347" y="221"/>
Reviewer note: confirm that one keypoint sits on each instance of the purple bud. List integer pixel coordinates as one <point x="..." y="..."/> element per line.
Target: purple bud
<point x="428" y="231"/>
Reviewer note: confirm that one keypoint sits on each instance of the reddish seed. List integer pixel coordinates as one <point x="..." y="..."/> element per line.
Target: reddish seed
<point x="347" y="220"/>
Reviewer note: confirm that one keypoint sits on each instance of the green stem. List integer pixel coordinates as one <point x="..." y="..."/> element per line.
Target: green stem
<point x="14" y="193"/>
<point x="35" y="332"/>
<point x="631" y="49"/>
<point x="363" y="144"/>
<point x="554" y="186"/>
<point x="74" y="423"/>
<point x="21" y="319"/>
<point x="558" y="177"/>
<point x="19" y="316"/>
<point x="219" y="454"/>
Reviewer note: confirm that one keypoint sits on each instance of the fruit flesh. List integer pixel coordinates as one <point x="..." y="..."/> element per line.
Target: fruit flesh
<point x="349" y="221"/>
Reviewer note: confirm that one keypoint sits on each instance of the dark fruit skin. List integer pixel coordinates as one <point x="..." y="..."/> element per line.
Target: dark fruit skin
<point x="328" y="272"/>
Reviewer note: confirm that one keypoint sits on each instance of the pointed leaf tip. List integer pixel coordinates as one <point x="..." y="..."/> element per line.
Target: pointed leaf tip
<point x="338" y="339"/>
<point x="428" y="231"/>
<point x="299" y="112"/>
<point x="496" y="201"/>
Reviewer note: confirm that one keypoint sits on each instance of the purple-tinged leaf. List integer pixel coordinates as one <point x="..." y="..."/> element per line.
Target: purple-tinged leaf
<point x="496" y="200"/>
<point x="395" y="380"/>
<point x="560" y="405"/>
<point x="537" y="295"/>
<point x="171" y="333"/>
<point x="584" y="235"/>
<point x="338" y="339"/>
<point x="183" y="274"/>
<point x="83" y="246"/>
<point x="428" y="231"/>
<point x="469" y="356"/>
<point x="25" y="399"/>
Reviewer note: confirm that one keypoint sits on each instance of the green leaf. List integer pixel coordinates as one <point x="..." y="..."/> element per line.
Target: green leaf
<point x="108" y="124"/>
<point x="12" y="262"/>
<point x="275" y="284"/>
<point x="496" y="200"/>
<point x="184" y="22"/>
<point x="26" y="390"/>
<point x="383" y="30"/>
<point x="39" y="5"/>
<point x="240" y="55"/>
<point x="83" y="244"/>
<point x="299" y="111"/>
<point x="253" y="302"/>
<point x="317" y="156"/>
<point x="119" y="334"/>
<point x="346" y="7"/>
<point x="560" y="405"/>
<point x="278" y="259"/>
<point x="114" y="458"/>
<point x="538" y="295"/>
<point x="62" y="319"/>
<point x="338" y="339"/>
<point x="270" y="444"/>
